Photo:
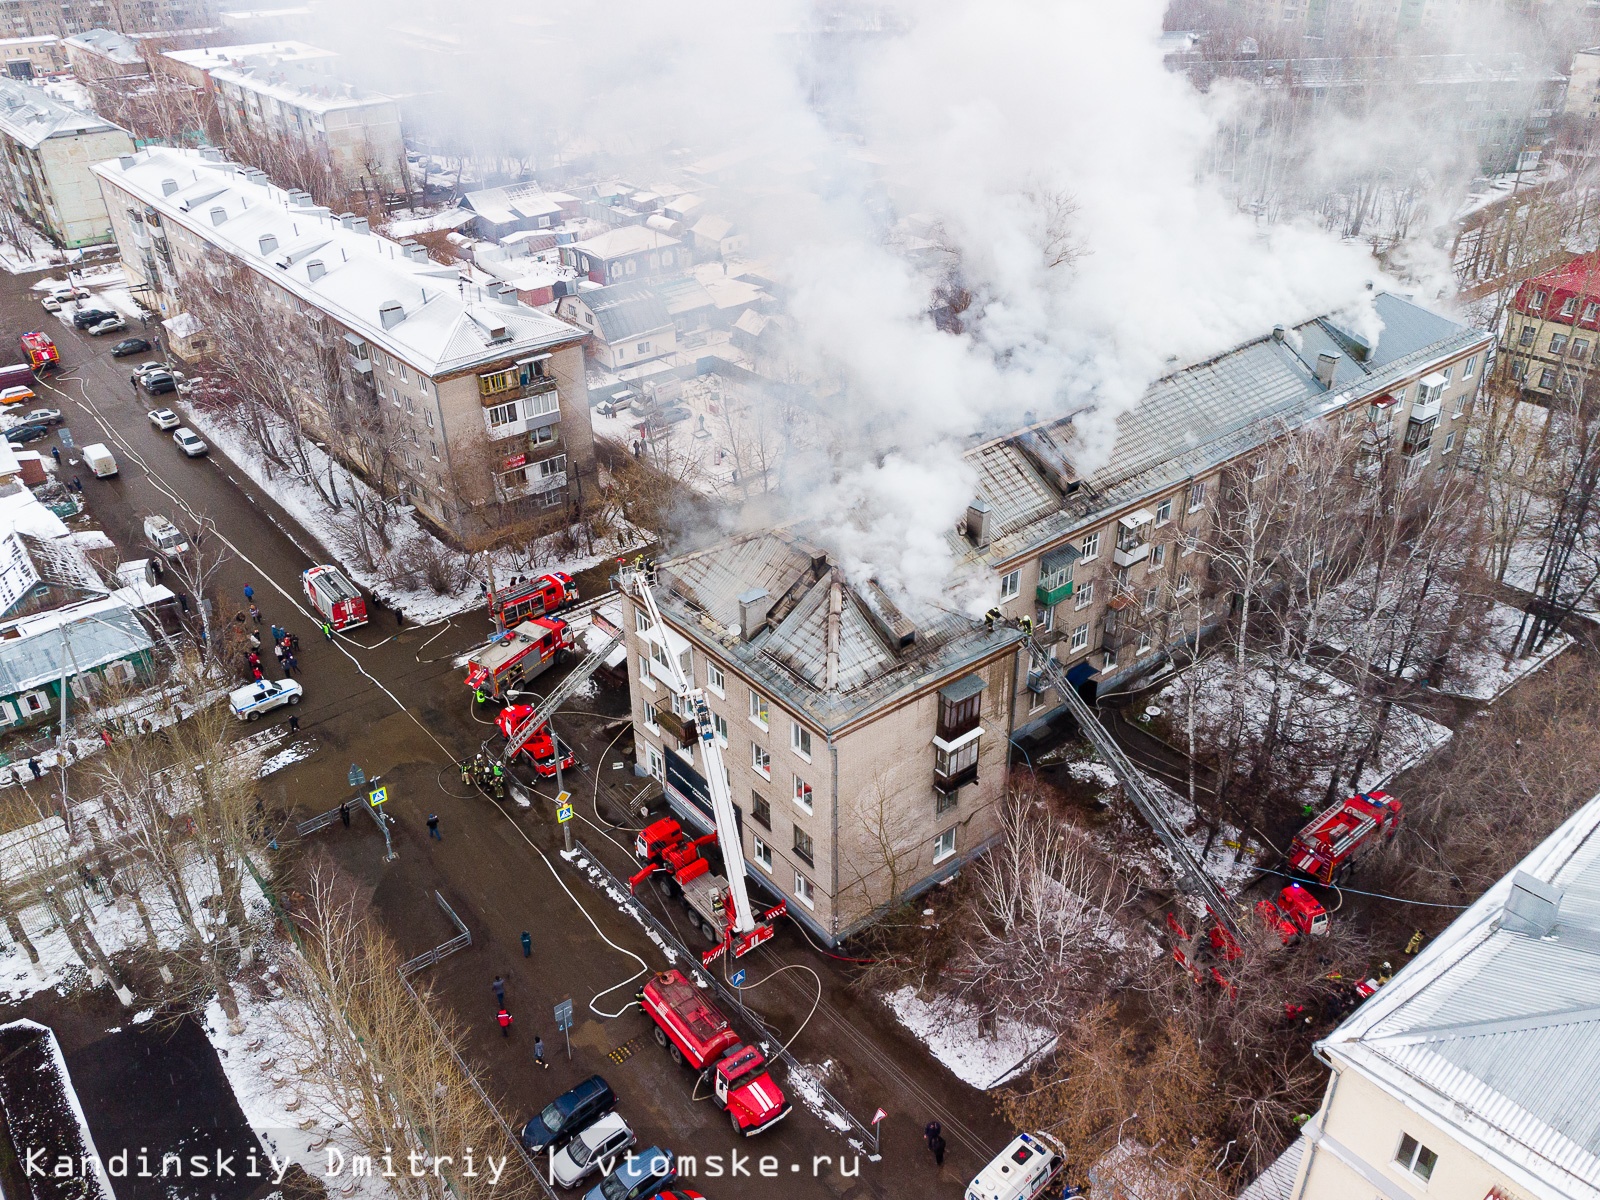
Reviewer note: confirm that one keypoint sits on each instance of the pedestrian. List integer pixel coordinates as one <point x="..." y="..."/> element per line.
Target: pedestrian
<point x="255" y="614"/>
<point x="55" y="453"/>
<point x="527" y="942"/>
<point x="277" y="652"/>
<point x="253" y="659"/>
<point x="255" y="638"/>
<point x="291" y="663"/>
<point x="344" y="813"/>
<point x="33" y="765"/>
<point x="294" y="642"/>
<point x="399" y="619"/>
<point x="499" y="986"/>
<point x="505" y="1022"/>
<point x="932" y="1130"/>
<point x="77" y="484"/>
<point x="277" y="634"/>
<point x="249" y="593"/>
<point x="294" y="727"/>
<point x="327" y="631"/>
<point x="936" y="1144"/>
<point x="538" y="1052"/>
<point x="433" y="827"/>
<point x="183" y="603"/>
<point x="255" y="674"/>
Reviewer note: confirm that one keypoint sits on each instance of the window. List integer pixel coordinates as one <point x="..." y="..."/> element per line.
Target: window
<point x="1591" y="310"/>
<point x="803" y="849"/>
<point x="1080" y="637"/>
<point x="1461" y="404"/>
<point x="1010" y="585"/>
<point x="641" y="623"/>
<point x="1580" y="349"/>
<point x="655" y="763"/>
<point x="761" y="761"/>
<point x="642" y="348"/>
<point x="762" y="853"/>
<point x="946" y="801"/>
<point x="1447" y="372"/>
<point x="502" y="414"/>
<point x="1158" y="556"/>
<point x="1148" y="604"/>
<point x="803" y="891"/>
<point x="1547" y="378"/>
<point x="542" y="437"/>
<point x="1189" y="543"/>
<point x="1569" y="306"/>
<point x="1413" y="1156"/>
<point x="1539" y="297"/>
<point x="1164" y="511"/>
<point x="761" y="810"/>
<point x="948" y="764"/>
<point x="944" y="845"/>
<point x="716" y="680"/>
<point x="1558" y="343"/>
<point x="650" y="713"/>
<point x="1525" y="338"/>
<point x="720" y="724"/>
<point x="553" y="466"/>
<point x="1185" y="584"/>
<point x="1084" y="596"/>
<point x="1145" y="640"/>
<point x="1197" y="495"/>
<point x="958" y="714"/>
<point x="1449" y="442"/>
<point x="1091" y="547"/>
<point x="1110" y="658"/>
<point x="758" y="709"/>
<point x="1469" y="367"/>
<point x="802" y="793"/>
<point x="800" y="740"/>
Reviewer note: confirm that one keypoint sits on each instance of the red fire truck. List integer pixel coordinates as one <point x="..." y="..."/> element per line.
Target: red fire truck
<point x="338" y="600"/>
<point x="1327" y="848"/>
<point x="540" y="746"/>
<point x="518" y="654"/>
<point x="664" y="846"/>
<point x="41" y="352"/>
<point x="691" y="1029"/>
<point x="534" y="597"/>
<point x="1295" y="913"/>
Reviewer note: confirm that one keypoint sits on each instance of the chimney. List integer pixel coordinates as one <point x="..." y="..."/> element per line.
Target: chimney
<point x="416" y="252"/>
<point x="391" y="313"/>
<point x="892" y="625"/>
<point x="359" y="224"/>
<point x="126" y="161"/>
<point x="1532" y="908"/>
<point x="168" y="186"/>
<point x="347" y="219"/>
<point x="506" y="293"/>
<point x="210" y="154"/>
<point x="268" y="243"/>
<point x="753" y="608"/>
<point x="978" y="523"/>
<point x="219" y="215"/>
<point x="1277" y="333"/>
<point x="1327" y="365"/>
<point x="315" y="270"/>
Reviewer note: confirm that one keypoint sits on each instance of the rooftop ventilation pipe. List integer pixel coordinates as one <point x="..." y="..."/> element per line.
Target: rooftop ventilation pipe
<point x="359" y="224"/>
<point x="219" y="215"/>
<point x="892" y="625"/>
<point x="1533" y="906"/>
<point x="268" y="243"/>
<point x="978" y="514"/>
<point x="391" y="313"/>
<point x="506" y="293"/>
<point x="754" y="606"/>
<point x="126" y="161"/>
<point x="415" y="252"/>
<point x="1327" y="366"/>
<point x="347" y="219"/>
<point x="168" y="186"/>
<point x="315" y="270"/>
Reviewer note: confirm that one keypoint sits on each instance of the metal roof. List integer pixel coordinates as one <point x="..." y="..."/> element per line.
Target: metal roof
<point x="83" y="637"/>
<point x="1495" y="1034"/>
<point x="31" y="117"/>
<point x="789" y="657"/>
<point x="625" y="310"/>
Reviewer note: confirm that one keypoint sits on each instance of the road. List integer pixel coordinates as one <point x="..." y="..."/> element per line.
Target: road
<point x="390" y="700"/>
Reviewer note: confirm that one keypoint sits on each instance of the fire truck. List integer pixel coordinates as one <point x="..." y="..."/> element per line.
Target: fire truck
<point x="529" y="650"/>
<point x="1327" y="848"/>
<point x="540" y="745"/>
<point x="663" y="847"/>
<point x="41" y="352"/>
<point x="338" y="600"/>
<point x="691" y="1030"/>
<point x="536" y="597"/>
<point x="1295" y="913"/>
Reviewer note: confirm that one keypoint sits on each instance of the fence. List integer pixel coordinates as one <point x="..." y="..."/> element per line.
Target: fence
<point x="444" y="949"/>
<point x="761" y="1032"/>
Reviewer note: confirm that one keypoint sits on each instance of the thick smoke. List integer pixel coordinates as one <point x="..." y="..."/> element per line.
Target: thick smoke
<point x="1057" y="168"/>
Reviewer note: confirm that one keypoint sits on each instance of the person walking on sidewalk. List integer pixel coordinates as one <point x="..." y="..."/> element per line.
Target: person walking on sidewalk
<point x="538" y="1052"/>
<point x="499" y="986"/>
<point x="249" y="593"/>
<point x="930" y="1131"/>
<point x="344" y="813"/>
<point x="255" y="614"/>
<point x="936" y="1144"/>
<point x="433" y="827"/>
<point x="505" y="1021"/>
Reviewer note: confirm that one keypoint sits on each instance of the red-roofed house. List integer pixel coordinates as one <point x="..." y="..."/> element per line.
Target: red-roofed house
<point x="1553" y="326"/>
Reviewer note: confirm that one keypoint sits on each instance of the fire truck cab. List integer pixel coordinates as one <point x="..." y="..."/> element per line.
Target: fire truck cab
<point x="541" y="746"/>
<point x="664" y="846"/>
<point x="534" y="597"/>
<point x="1327" y="848"/>
<point x="521" y="653"/>
<point x="41" y="351"/>
<point x="1295" y="912"/>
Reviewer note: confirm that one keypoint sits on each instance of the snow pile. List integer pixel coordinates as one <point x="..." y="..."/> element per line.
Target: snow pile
<point x="949" y="1029"/>
<point x="287" y="757"/>
<point x="805" y="1081"/>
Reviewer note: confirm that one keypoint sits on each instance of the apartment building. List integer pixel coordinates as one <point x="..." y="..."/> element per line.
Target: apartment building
<point x="1085" y="555"/>
<point x="865" y="751"/>
<point x="100" y="54"/>
<point x="47" y="150"/>
<point x="1472" y="1073"/>
<point x="487" y="394"/>
<point x="194" y="66"/>
<point x="63" y="18"/>
<point x="1552" y="325"/>
<point x="26" y="57"/>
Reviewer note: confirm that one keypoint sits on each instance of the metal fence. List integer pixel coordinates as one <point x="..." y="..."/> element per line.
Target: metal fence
<point x="444" y="949"/>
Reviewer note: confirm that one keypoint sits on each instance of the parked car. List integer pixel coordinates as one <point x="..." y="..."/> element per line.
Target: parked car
<point x="664" y="417"/>
<point x="99" y="459"/>
<point x="164" y="419"/>
<point x="21" y="435"/>
<point x="164" y="537"/>
<point x="40" y="416"/>
<point x="594" y="1149"/>
<point x="563" y="1117"/>
<point x="649" y="1173"/>
<point x="16" y="395"/>
<point x="86" y="317"/>
<point x="157" y="383"/>
<point x="68" y="294"/>
<point x="127" y="346"/>
<point x="264" y="695"/>
<point x="110" y="325"/>
<point x="51" y="304"/>
<point x="146" y="367"/>
<point x="189" y="442"/>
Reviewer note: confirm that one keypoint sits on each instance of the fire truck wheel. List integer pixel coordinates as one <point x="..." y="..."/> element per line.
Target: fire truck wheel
<point x="735" y="1121"/>
<point x="661" y="1037"/>
<point x="677" y="1055"/>
<point x="710" y="933"/>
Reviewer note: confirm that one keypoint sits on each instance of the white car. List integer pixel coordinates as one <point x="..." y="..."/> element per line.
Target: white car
<point x="595" y="1149"/>
<point x="110" y="325"/>
<point x="189" y="442"/>
<point x="264" y="695"/>
<point x="165" y="537"/>
<point x="51" y="304"/>
<point x="163" y="419"/>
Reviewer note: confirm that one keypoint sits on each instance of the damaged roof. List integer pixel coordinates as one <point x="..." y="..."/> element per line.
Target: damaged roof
<point x="877" y="654"/>
<point x="625" y="310"/>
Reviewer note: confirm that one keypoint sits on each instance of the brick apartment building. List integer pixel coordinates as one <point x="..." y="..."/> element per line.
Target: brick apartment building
<point x="487" y="393"/>
<point x="1552" y="326"/>
<point x="46" y="151"/>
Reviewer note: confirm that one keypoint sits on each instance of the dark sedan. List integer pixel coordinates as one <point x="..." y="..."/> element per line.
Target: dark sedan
<point x="129" y="346"/>
<point x="23" y="434"/>
<point x="86" y="317"/>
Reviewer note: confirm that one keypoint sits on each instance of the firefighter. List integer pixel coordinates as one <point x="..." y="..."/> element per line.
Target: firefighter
<point x="479" y="695"/>
<point x="466" y="770"/>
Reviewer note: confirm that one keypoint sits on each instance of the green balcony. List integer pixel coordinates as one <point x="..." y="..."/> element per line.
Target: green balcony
<point x="1050" y="597"/>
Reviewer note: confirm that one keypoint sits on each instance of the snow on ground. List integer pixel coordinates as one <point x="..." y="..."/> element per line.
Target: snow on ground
<point x="949" y="1029"/>
<point x="421" y="605"/>
<point x="805" y="1081"/>
<point x="287" y="757"/>
<point x="36" y="254"/>
<point x="1487" y="674"/>
<point x="448" y="217"/>
<point x="1522" y="574"/>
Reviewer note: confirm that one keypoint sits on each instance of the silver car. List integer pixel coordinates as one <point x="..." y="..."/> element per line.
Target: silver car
<point x="189" y="442"/>
<point x="595" y="1149"/>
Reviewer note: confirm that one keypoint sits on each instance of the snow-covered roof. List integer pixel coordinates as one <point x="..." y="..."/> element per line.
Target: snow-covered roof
<point x="108" y="44"/>
<point x="347" y="273"/>
<point x="713" y="228"/>
<point x="222" y="56"/>
<point x="625" y="310"/>
<point x="34" y="649"/>
<point x="297" y="85"/>
<point x="1493" y="1031"/>
<point x="625" y="239"/>
<point x="517" y="202"/>
<point x="31" y="117"/>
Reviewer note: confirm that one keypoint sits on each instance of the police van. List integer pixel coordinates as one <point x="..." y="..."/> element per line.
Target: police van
<point x="1022" y="1171"/>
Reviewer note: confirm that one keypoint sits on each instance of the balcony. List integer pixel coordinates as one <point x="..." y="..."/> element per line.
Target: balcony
<point x="1037" y="683"/>
<point x="1430" y="395"/>
<point x="1055" y="575"/>
<point x="1419" y="436"/>
<point x="1132" y="531"/>
<point x="1127" y="554"/>
<point x="945" y="784"/>
<point x="1052" y="596"/>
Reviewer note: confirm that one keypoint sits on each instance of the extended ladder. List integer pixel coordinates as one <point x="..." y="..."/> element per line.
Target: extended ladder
<point x="559" y="696"/>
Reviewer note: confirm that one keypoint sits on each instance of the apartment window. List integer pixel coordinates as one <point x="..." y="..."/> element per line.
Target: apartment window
<point x="35" y="702"/>
<point x="1469" y="367"/>
<point x="800" y="740"/>
<point x="1110" y="658"/>
<point x="1158" y="556"/>
<point x="1084" y="596"/>
<point x="1148" y="604"/>
<point x="1415" y="1157"/>
<point x="641" y="622"/>
<point x="1519" y="369"/>
<point x="716" y="680"/>
<point x="655" y="763"/>
<point x="945" y="801"/>
<point x="553" y="466"/>
<point x="1591" y="310"/>
<point x="1529" y="332"/>
<point x="1461" y="404"/>
<point x="1010" y="585"/>
<point x="1449" y="442"/>
<point x="1547" y="378"/>
<point x="1144" y="641"/>
<point x="646" y="678"/>
<point x="502" y="414"/>
<point x="803" y="849"/>
<point x="1197" y="495"/>
<point x="803" y="891"/>
<point x="1580" y="349"/>
<point x="761" y="809"/>
<point x="944" y="845"/>
<point x="1558" y="343"/>
<point x="761" y="760"/>
<point x="720" y="724"/>
<point x="1447" y="372"/>
<point x="762" y="853"/>
<point x="1044" y="619"/>
<point x="1569" y="306"/>
<point x="960" y="706"/>
<point x="1189" y="544"/>
<point x="1091" y="546"/>
<point x="1080" y="637"/>
<point x="1164" y="511"/>
<point x="802" y="793"/>
<point x="542" y="437"/>
<point x="759" y="712"/>
<point x="1539" y="297"/>
<point x="642" y="348"/>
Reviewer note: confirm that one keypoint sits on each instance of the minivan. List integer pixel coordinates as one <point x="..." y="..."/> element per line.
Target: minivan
<point x="99" y="460"/>
<point x="568" y="1113"/>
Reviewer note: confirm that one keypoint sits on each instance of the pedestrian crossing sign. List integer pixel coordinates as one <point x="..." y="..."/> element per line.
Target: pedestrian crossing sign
<point x="378" y="796"/>
<point x="563" y="813"/>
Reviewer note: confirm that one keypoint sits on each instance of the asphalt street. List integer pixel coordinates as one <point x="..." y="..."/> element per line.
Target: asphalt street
<point x="390" y="700"/>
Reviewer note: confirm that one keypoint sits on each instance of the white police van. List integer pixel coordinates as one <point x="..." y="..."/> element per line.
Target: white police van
<point x="250" y="701"/>
<point x="1021" y="1171"/>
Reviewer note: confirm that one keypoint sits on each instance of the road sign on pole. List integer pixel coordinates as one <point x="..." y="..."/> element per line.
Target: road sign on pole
<point x="564" y="1023"/>
<point x="378" y="797"/>
<point x="877" y="1134"/>
<point x="357" y="776"/>
<point x="737" y="978"/>
<point x="563" y="808"/>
